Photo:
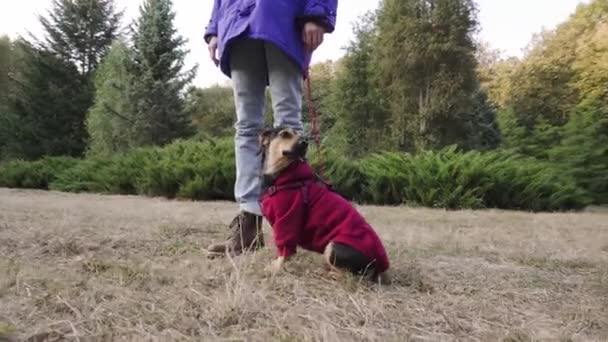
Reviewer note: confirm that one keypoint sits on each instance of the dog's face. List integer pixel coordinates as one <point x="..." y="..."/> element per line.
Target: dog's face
<point x="281" y="146"/>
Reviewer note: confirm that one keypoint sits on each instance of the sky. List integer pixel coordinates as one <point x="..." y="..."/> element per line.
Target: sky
<point x="507" y="25"/>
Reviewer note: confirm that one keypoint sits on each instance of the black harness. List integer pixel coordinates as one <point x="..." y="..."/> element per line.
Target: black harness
<point x="268" y="182"/>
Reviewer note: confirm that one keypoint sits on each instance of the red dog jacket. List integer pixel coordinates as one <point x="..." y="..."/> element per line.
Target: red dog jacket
<point x="306" y="213"/>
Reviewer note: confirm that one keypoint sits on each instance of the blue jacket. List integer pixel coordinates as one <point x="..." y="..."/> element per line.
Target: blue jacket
<point x="277" y="21"/>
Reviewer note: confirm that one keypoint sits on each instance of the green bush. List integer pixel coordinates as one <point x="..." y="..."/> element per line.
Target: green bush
<point x="116" y="175"/>
<point x="34" y="174"/>
<point x="191" y="170"/>
<point x="583" y="152"/>
<point x="528" y="184"/>
<point x="345" y="175"/>
<point x="204" y="170"/>
<point x="185" y="169"/>
<point x="443" y="179"/>
<point x="456" y="180"/>
<point x="83" y="177"/>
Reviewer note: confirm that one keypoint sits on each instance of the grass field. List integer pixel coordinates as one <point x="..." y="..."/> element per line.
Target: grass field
<point x="110" y="268"/>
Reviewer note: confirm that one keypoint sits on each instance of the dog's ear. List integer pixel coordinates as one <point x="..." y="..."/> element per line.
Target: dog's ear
<point x="265" y="137"/>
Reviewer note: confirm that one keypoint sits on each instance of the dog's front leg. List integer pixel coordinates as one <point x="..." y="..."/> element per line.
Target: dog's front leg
<point x="276" y="266"/>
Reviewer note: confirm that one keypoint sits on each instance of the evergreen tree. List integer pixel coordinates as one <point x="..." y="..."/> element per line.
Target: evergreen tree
<point x="5" y="63"/>
<point x="358" y="101"/>
<point x="7" y="119"/>
<point x="48" y="101"/>
<point x="81" y="31"/>
<point x="482" y="124"/>
<point x="110" y="120"/>
<point x="51" y="81"/>
<point x="159" y="80"/>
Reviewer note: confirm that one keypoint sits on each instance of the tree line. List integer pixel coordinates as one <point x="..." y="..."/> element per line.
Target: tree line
<point x="413" y="79"/>
<point x="91" y="85"/>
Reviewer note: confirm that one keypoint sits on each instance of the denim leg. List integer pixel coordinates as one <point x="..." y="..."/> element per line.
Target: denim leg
<point x="248" y="65"/>
<point x="286" y="82"/>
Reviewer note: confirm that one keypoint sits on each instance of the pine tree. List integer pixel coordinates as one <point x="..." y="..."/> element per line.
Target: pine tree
<point x="361" y="114"/>
<point x="81" y="31"/>
<point x="482" y="124"/>
<point x="48" y="99"/>
<point x="51" y="86"/>
<point x="7" y="119"/>
<point x="159" y="80"/>
<point x="5" y="65"/>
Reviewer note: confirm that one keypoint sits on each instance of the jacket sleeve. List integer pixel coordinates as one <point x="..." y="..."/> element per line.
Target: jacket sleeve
<point x="287" y="225"/>
<point x="211" y="29"/>
<point x="322" y="12"/>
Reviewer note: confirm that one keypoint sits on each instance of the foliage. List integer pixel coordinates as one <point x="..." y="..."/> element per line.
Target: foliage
<point x="190" y="170"/>
<point x="324" y="97"/>
<point x="559" y="70"/>
<point x="455" y="180"/>
<point x="583" y="152"/>
<point x="360" y="111"/>
<point x="482" y="124"/>
<point x="46" y="85"/>
<point x="9" y="144"/>
<point x="553" y="101"/>
<point x="34" y="175"/>
<point x="212" y="110"/>
<point x="48" y="102"/>
<point x="425" y="57"/>
<point x="205" y="171"/>
<point x="80" y="31"/>
<point x="412" y="80"/>
<point x="158" y="57"/>
<point x="185" y="169"/>
<point x="110" y="120"/>
<point x="6" y="57"/>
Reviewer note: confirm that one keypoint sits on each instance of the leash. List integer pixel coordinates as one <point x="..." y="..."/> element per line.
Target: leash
<point x="312" y="113"/>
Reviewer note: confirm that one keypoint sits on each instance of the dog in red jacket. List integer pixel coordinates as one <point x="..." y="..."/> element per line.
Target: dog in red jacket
<point x="304" y="212"/>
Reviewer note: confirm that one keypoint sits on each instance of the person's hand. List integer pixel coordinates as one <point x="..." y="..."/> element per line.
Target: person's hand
<point x="312" y="35"/>
<point x="213" y="50"/>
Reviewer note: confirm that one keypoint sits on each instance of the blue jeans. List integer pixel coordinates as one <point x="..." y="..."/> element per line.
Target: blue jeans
<point x="256" y="64"/>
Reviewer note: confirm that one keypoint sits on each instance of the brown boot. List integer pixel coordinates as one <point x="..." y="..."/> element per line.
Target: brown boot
<point x="245" y="235"/>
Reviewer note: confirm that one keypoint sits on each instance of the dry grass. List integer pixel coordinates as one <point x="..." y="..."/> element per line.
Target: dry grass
<point x="92" y="268"/>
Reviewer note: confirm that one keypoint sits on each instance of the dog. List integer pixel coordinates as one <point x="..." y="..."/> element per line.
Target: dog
<point x="305" y="212"/>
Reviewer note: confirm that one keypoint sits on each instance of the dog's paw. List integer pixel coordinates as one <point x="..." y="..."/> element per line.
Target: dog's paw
<point x="335" y="275"/>
<point x="276" y="266"/>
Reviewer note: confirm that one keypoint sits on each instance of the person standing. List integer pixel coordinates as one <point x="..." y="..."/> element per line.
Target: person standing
<point x="259" y="44"/>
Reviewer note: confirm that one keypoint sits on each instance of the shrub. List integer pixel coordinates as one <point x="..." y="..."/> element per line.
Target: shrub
<point x="345" y="175"/>
<point x="584" y="150"/>
<point x="191" y="170"/>
<point x="434" y="179"/>
<point x="454" y="180"/>
<point x="204" y="170"/>
<point x="185" y="169"/>
<point x="79" y="178"/>
<point x="34" y="174"/>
